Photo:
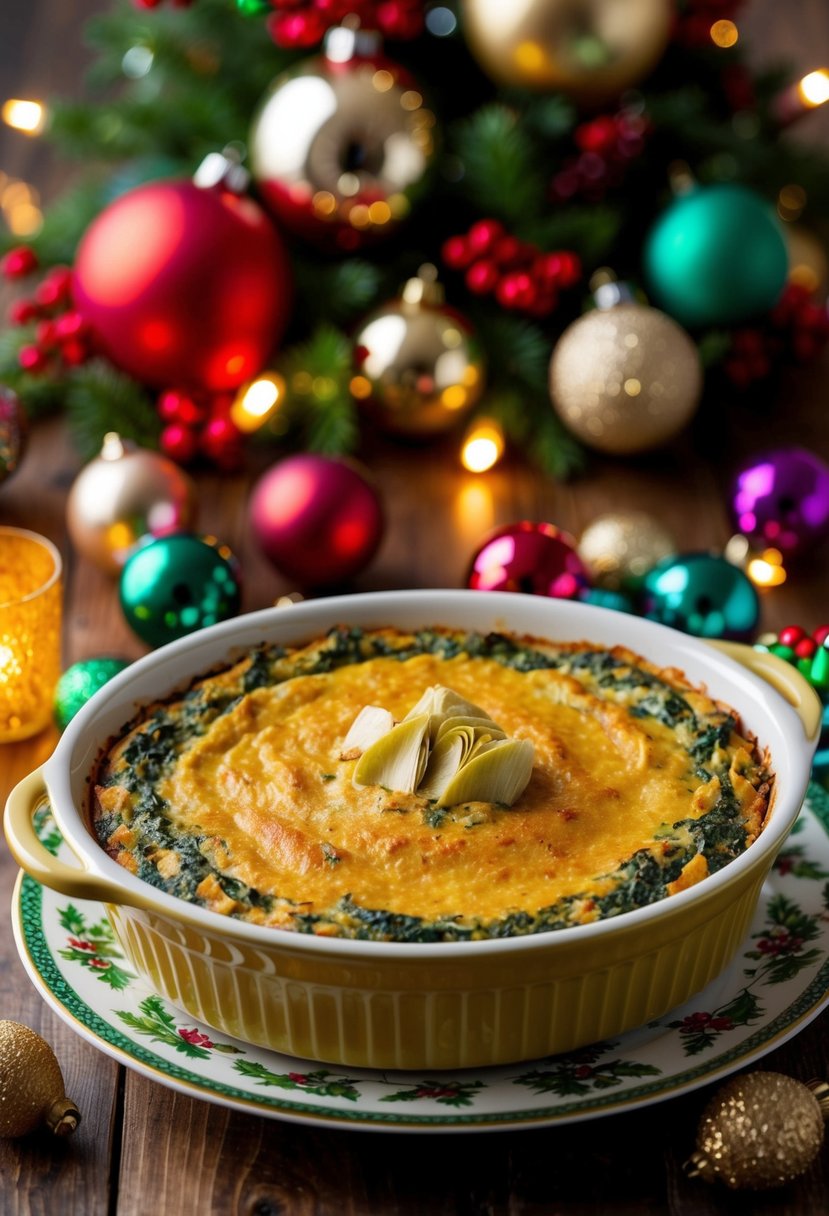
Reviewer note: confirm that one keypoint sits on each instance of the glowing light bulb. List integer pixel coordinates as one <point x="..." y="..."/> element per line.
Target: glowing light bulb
<point x="483" y="446"/>
<point x="814" y="88"/>
<point x="724" y="33"/>
<point x="26" y="116"/>
<point x="767" y="569"/>
<point x="257" y="401"/>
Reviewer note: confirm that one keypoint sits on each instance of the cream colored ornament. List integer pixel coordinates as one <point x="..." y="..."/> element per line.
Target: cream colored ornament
<point x="420" y="370"/>
<point x="625" y="379"/>
<point x="619" y="548"/>
<point x="125" y="494"/>
<point x="32" y="1093"/>
<point x="592" y="50"/>
<point x="759" y="1131"/>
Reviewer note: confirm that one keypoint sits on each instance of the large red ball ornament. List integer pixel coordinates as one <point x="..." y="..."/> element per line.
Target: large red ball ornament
<point x="317" y="519"/>
<point x="537" y="558"/>
<point x="182" y="284"/>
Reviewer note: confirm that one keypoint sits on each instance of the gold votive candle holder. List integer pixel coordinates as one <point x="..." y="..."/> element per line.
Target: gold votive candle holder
<point x="30" y="631"/>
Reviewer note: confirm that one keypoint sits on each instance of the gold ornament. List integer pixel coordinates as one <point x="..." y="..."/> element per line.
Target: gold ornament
<point x="621" y="547"/>
<point x="32" y="1092"/>
<point x="592" y="50"/>
<point x="125" y="494"/>
<point x="760" y="1130"/>
<point x="808" y="263"/>
<point x="419" y="368"/>
<point x="625" y="379"/>
<point x="342" y="143"/>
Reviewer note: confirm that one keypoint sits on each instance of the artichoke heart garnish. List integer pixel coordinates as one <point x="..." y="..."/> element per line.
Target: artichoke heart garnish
<point x="446" y="749"/>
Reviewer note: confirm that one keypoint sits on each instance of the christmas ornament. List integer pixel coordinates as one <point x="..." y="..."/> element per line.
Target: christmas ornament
<point x="184" y="283"/>
<point x="177" y="584"/>
<point x="125" y="494"/>
<point x="716" y="256"/>
<point x="537" y="558"/>
<point x="592" y="52"/>
<point x="624" y="378"/>
<point x="342" y="143"/>
<point x="32" y="1093"/>
<point x="809" y="653"/>
<point x="781" y="498"/>
<point x="619" y="548"/>
<point x="601" y="597"/>
<point x="701" y="594"/>
<point x="317" y="518"/>
<point x="760" y="1130"/>
<point x="420" y="370"/>
<point x="521" y="276"/>
<point x="14" y="432"/>
<point x="80" y="682"/>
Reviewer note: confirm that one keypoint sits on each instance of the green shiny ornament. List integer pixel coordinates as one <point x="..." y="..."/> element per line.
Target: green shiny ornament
<point x="601" y="597"/>
<point x="703" y="595"/>
<point x="176" y="584"/>
<point x="716" y="256"/>
<point x="80" y="682"/>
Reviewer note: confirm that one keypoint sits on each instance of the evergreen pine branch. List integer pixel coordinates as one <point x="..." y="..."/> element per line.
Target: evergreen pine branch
<point x="591" y="231"/>
<point x="100" y="399"/>
<point x="38" y="394"/>
<point x="518" y="351"/>
<point x="501" y="165"/>
<point x="317" y="374"/>
<point x="335" y="292"/>
<point x="530" y="424"/>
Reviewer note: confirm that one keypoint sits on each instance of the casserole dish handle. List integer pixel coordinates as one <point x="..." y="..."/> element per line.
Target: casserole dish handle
<point x="784" y="678"/>
<point x="32" y="855"/>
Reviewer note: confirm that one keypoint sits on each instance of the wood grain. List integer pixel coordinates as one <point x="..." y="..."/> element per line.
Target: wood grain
<point x="142" y="1148"/>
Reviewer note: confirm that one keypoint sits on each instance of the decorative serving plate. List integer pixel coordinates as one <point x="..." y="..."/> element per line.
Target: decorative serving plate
<point x="778" y="982"/>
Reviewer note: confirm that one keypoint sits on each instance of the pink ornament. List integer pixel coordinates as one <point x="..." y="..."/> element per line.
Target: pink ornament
<point x="317" y="519"/>
<point x="184" y="285"/>
<point x="537" y="558"/>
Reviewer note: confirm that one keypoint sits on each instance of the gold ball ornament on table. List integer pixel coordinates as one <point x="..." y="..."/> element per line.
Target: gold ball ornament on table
<point x="123" y="495"/>
<point x="624" y="378"/>
<point x="620" y="547"/>
<point x="419" y="370"/>
<point x="591" y="50"/>
<point x="759" y="1131"/>
<point x="32" y="1092"/>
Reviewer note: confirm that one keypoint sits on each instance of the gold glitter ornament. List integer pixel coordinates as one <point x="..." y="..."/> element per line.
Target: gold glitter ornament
<point x="624" y="378"/>
<point x="419" y="367"/>
<point x="759" y="1131"/>
<point x="121" y="497"/>
<point x="619" y="548"/>
<point x="32" y="1092"/>
<point x="592" y="50"/>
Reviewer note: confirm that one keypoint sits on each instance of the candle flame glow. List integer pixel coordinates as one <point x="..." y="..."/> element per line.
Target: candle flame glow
<point x="483" y="446"/>
<point x="26" y="116"/>
<point x="814" y="88"/>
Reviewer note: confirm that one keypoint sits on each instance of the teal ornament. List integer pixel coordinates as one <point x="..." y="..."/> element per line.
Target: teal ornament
<point x="701" y="594"/>
<point x="176" y="584"/>
<point x="80" y="682"/>
<point x="717" y="256"/>
<point x="601" y="597"/>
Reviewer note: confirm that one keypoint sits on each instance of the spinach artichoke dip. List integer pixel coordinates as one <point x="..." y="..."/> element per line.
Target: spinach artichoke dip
<point x="430" y="786"/>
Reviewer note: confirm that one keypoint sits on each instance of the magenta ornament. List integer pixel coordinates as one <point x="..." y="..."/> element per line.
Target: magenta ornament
<point x="780" y="500"/>
<point x="536" y="558"/>
<point x="317" y="518"/>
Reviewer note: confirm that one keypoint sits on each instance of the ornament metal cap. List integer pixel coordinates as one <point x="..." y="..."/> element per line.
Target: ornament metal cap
<point x="608" y="291"/>
<point x="424" y="289"/>
<point x="349" y="40"/>
<point x="223" y="168"/>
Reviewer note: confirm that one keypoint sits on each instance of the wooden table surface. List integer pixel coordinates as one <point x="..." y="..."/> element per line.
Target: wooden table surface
<point x="142" y="1148"/>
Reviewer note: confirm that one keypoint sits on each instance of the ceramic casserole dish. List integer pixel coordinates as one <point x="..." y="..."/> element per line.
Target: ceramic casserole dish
<point x="442" y="1005"/>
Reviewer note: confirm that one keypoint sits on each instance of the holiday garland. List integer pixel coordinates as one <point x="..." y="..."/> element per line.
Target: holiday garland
<point x="525" y="197"/>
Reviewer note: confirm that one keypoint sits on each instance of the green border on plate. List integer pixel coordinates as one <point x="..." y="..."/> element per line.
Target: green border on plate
<point x="31" y="924"/>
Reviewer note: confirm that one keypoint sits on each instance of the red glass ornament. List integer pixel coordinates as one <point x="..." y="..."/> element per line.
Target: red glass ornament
<point x="805" y="648"/>
<point x="317" y="518"/>
<point x="821" y="634"/>
<point x="537" y="558"/>
<point x="184" y="285"/>
<point x="790" y="635"/>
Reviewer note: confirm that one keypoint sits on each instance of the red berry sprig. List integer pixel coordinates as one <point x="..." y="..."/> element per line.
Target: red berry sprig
<point x="200" y="427"/>
<point x="519" y="275"/>
<point x="795" y="331"/>
<point x="296" y="24"/>
<point x="61" y="335"/>
<point x="607" y="145"/>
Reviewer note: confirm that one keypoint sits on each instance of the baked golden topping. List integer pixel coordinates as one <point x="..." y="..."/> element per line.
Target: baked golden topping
<point x="361" y="785"/>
